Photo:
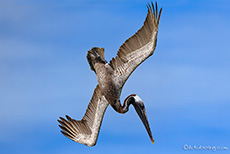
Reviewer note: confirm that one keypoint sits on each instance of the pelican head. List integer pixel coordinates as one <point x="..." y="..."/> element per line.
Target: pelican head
<point x="139" y="106"/>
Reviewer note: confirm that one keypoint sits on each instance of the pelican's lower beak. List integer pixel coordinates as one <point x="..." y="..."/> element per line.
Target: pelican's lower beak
<point x="142" y="114"/>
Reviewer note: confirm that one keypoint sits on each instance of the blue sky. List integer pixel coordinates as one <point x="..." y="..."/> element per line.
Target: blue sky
<point x="44" y="74"/>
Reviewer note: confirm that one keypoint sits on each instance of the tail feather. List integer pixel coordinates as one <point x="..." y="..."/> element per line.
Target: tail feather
<point x="95" y="55"/>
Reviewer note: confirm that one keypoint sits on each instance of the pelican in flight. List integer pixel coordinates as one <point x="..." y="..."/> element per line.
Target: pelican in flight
<point x="111" y="77"/>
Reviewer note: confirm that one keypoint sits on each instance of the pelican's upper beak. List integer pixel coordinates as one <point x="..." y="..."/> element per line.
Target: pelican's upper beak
<point x="140" y="109"/>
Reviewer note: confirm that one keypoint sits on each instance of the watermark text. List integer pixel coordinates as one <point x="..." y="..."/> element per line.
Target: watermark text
<point x="188" y="147"/>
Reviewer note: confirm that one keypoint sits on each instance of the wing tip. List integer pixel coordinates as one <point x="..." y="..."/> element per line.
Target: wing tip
<point x="73" y="128"/>
<point x="153" y="9"/>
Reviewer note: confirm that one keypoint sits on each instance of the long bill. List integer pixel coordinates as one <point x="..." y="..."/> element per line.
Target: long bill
<point x="142" y="114"/>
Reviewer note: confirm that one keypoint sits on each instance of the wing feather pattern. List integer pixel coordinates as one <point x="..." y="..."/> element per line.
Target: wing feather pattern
<point x="138" y="47"/>
<point x="87" y="129"/>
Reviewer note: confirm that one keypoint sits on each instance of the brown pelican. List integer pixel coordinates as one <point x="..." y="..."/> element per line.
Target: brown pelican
<point x="111" y="78"/>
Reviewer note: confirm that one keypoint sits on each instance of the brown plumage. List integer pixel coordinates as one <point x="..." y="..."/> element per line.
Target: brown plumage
<point x="111" y="78"/>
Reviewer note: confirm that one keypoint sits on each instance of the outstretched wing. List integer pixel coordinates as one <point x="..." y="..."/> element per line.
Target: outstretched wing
<point x="87" y="129"/>
<point x="137" y="48"/>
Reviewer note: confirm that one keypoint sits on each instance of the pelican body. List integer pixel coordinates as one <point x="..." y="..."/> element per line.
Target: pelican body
<point x="111" y="78"/>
